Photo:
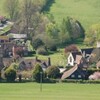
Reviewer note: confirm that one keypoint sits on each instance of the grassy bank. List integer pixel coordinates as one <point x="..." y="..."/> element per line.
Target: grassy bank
<point x="86" y="11"/>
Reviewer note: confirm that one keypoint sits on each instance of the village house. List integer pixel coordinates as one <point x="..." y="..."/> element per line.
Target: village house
<point x="72" y="58"/>
<point x="78" y="71"/>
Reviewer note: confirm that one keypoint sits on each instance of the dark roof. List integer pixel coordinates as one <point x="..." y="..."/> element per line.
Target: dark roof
<point x="75" y="54"/>
<point x="26" y="63"/>
<point x="87" y="50"/>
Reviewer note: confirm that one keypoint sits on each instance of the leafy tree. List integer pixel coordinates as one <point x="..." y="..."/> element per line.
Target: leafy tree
<point x="52" y="71"/>
<point x="93" y="34"/>
<point x="38" y="73"/>
<point x="64" y="35"/>
<point x="42" y="50"/>
<point x="37" y="43"/>
<point x="52" y="30"/>
<point x="71" y="48"/>
<point x="10" y="74"/>
<point x="75" y="28"/>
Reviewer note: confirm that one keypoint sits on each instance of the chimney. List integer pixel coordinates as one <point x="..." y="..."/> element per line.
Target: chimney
<point x="49" y="61"/>
<point x="98" y="44"/>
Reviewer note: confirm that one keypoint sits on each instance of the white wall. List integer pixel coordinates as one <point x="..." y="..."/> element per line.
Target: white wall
<point x="70" y="62"/>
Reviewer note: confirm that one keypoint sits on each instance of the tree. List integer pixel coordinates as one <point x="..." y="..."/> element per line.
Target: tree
<point x="75" y="28"/>
<point x="42" y="50"/>
<point x="12" y="8"/>
<point x="37" y="43"/>
<point x="64" y="35"/>
<point x="52" y="30"/>
<point x="52" y="71"/>
<point x="93" y="34"/>
<point x="37" y="72"/>
<point x="10" y="74"/>
<point x="71" y="48"/>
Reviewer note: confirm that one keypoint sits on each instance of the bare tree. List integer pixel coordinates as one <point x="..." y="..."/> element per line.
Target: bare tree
<point x="11" y="7"/>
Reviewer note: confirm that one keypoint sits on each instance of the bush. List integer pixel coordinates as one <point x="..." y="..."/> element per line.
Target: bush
<point x="71" y="48"/>
<point x="38" y="73"/>
<point x="53" y="48"/>
<point x="42" y="51"/>
<point x="10" y="74"/>
<point x="37" y="43"/>
<point x="53" y="72"/>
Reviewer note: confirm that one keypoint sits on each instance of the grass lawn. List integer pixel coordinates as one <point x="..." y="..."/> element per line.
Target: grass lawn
<point x="59" y="91"/>
<point x="2" y="11"/>
<point x="57" y="58"/>
<point x="86" y="11"/>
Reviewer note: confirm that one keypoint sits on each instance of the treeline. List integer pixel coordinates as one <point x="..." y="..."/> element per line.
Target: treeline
<point x="41" y="28"/>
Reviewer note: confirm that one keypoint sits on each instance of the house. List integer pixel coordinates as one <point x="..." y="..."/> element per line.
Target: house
<point x="95" y="76"/>
<point x="1" y="57"/>
<point x="98" y="65"/>
<point x="17" y="36"/>
<point x="87" y="52"/>
<point x="95" y="55"/>
<point x="72" y="58"/>
<point x="28" y="64"/>
<point x="76" y="72"/>
<point x="4" y="39"/>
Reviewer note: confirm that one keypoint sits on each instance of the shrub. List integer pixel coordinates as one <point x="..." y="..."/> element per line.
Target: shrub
<point x="53" y="72"/>
<point x="37" y="43"/>
<point x="38" y="73"/>
<point x="71" y="48"/>
<point x="42" y="51"/>
<point x="10" y="74"/>
<point x="53" y="48"/>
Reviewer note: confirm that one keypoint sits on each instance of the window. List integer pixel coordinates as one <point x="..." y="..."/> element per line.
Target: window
<point x="79" y="76"/>
<point x="73" y="76"/>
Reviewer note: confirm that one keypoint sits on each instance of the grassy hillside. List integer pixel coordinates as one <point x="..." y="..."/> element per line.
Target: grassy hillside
<point x="2" y="11"/>
<point x="31" y="91"/>
<point x="86" y="11"/>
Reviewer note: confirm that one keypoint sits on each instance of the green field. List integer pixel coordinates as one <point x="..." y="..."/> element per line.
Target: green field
<point x="2" y="11"/>
<point x="59" y="91"/>
<point x="86" y="11"/>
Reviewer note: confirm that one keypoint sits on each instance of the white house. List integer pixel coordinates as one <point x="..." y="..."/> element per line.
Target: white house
<point x="71" y="60"/>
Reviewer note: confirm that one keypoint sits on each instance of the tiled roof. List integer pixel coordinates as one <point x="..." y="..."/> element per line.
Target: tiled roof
<point x="75" y="54"/>
<point x="73" y="69"/>
<point x="87" y="50"/>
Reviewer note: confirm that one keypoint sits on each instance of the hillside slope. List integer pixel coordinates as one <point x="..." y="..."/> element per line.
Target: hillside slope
<point x="2" y="11"/>
<point x="86" y="11"/>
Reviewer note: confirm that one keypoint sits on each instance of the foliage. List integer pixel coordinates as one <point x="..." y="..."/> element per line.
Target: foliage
<point x="38" y="73"/>
<point x="42" y="50"/>
<point x="10" y="74"/>
<point x="37" y="43"/>
<point x="26" y="74"/>
<point x="11" y="7"/>
<point x="74" y="28"/>
<point x="64" y="36"/>
<point x="93" y="34"/>
<point x="52" y="72"/>
<point x="14" y="66"/>
<point x="52" y="30"/>
<point x="71" y="48"/>
<point x="53" y="48"/>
